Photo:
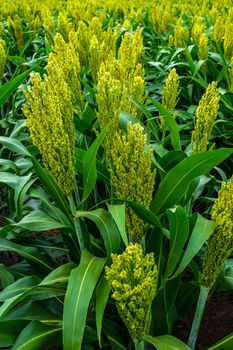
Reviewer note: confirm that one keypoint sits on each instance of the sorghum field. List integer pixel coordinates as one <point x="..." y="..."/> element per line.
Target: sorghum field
<point x="116" y="186"/>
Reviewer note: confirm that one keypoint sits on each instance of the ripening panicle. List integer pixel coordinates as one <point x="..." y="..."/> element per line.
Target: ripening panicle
<point x="130" y="55"/>
<point x="231" y="75"/>
<point x="206" y="114"/>
<point x="15" y="26"/>
<point x="50" y="121"/>
<point x="203" y="47"/>
<point x="171" y="90"/>
<point x="133" y="279"/>
<point x="102" y="47"/>
<point x="218" y="29"/>
<point x="228" y="41"/>
<point x="3" y="56"/>
<point x="180" y="35"/>
<point x="68" y="60"/>
<point x="131" y="174"/>
<point x="64" y="26"/>
<point x="47" y="19"/>
<point x="119" y="81"/>
<point x="198" y="29"/>
<point x="220" y="244"/>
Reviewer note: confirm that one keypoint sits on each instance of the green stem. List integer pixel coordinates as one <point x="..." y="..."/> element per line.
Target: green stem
<point x="139" y="345"/>
<point x="203" y="295"/>
<point x="76" y="223"/>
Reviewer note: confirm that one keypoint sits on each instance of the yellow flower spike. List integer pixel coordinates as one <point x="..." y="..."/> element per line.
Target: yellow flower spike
<point x="50" y="122"/>
<point x="171" y="90"/>
<point x="133" y="291"/>
<point x="203" y="47"/>
<point x="47" y="19"/>
<point x="180" y="35"/>
<point x="198" y="29"/>
<point x="205" y="117"/>
<point x="3" y="56"/>
<point x="131" y="173"/>
<point x="64" y="26"/>
<point x="220" y="244"/>
<point x="228" y="41"/>
<point x="67" y="58"/>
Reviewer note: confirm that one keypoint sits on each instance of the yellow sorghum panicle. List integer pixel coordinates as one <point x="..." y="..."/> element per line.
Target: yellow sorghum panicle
<point x="205" y="117"/>
<point x="203" y="47"/>
<point x="198" y="29"/>
<point x="220" y="244"/>
<point x="68" y="59"/>
<point x="3" y="56"/>
<point x="119" y="80"/>
<point x="64" y="26"/>
<point x="132" y="177"/>
<point x="171" y="90"/>
<point x="218" y="29"/>
<point x="133" y="279"/>
<point x="228" y="41"/>
<point x="180" y="35"/>
<point x="47" y="19"/>
<point x="50" y="121"/>
<point x="231" y="75"/>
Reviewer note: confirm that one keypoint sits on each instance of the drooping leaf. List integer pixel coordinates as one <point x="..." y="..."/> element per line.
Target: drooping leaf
<point x="177" y="180"/>
<point x="9" y="331"/>
<point x="106" y="226"/>
<point x="31" y="254"/>
<point x="36" y="335"/>
<point x="8" y="88"/>
<point x="118" y="214"/>
<point x="14" y="145"/>
<point x="38" y="221"/>
<point x="166" y="342"/>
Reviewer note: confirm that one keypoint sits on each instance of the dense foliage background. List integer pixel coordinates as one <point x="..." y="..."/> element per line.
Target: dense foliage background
<point x="116" y="132"/>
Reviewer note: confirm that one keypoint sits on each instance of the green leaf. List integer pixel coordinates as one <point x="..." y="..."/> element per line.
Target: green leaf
<point x="18" y="287"/>
<point x="9" y="331"/>
<point x="102" y="171"/>
<point x="102" y="295"/>
<point x="38" y="221"/>
<point x="31" y="254"/>
<point x="14" y="145"/>
<point x="177" y="180"/>
<point x="118" y="214"/>
<point x="5" y="276"/>
<point x="169" y="122"/>
<point x="32" y="311"/>
<point x="36" y="334"/>
<point x="115" y="335"/>
<point x="166" y="342"/>
<point x="7" y="89"/>
<point x="81" y="285"/>
<point x="224" y="344"/>
<point x="202" y="230"/>
<point x="51" y="187"/>
<point x="59" y="275"/>
<point x="179" y="230"/>
<point x="89" y="164"/>
<point x="171" y="159"/>
<point x="106" y="226"/>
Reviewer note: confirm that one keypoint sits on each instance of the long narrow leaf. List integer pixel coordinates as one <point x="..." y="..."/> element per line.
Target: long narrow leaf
<point x="177" y="180"/>
<point x="82" y="282"/>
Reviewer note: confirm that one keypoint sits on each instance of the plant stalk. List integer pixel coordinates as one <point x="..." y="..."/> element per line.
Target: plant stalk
<point x="139" y="345"/>
<point x="203" y="295"/>
<point x="76" y="223"/>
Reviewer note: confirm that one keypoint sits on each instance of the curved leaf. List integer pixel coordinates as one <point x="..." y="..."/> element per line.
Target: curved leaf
<point x="36" y="334"/>
<point x="166" y="342"/>
<point x="177" y="180"/>
<point x="14" y="145"/>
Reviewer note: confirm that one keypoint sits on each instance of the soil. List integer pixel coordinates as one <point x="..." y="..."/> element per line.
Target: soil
<point x="217" y="321"/>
